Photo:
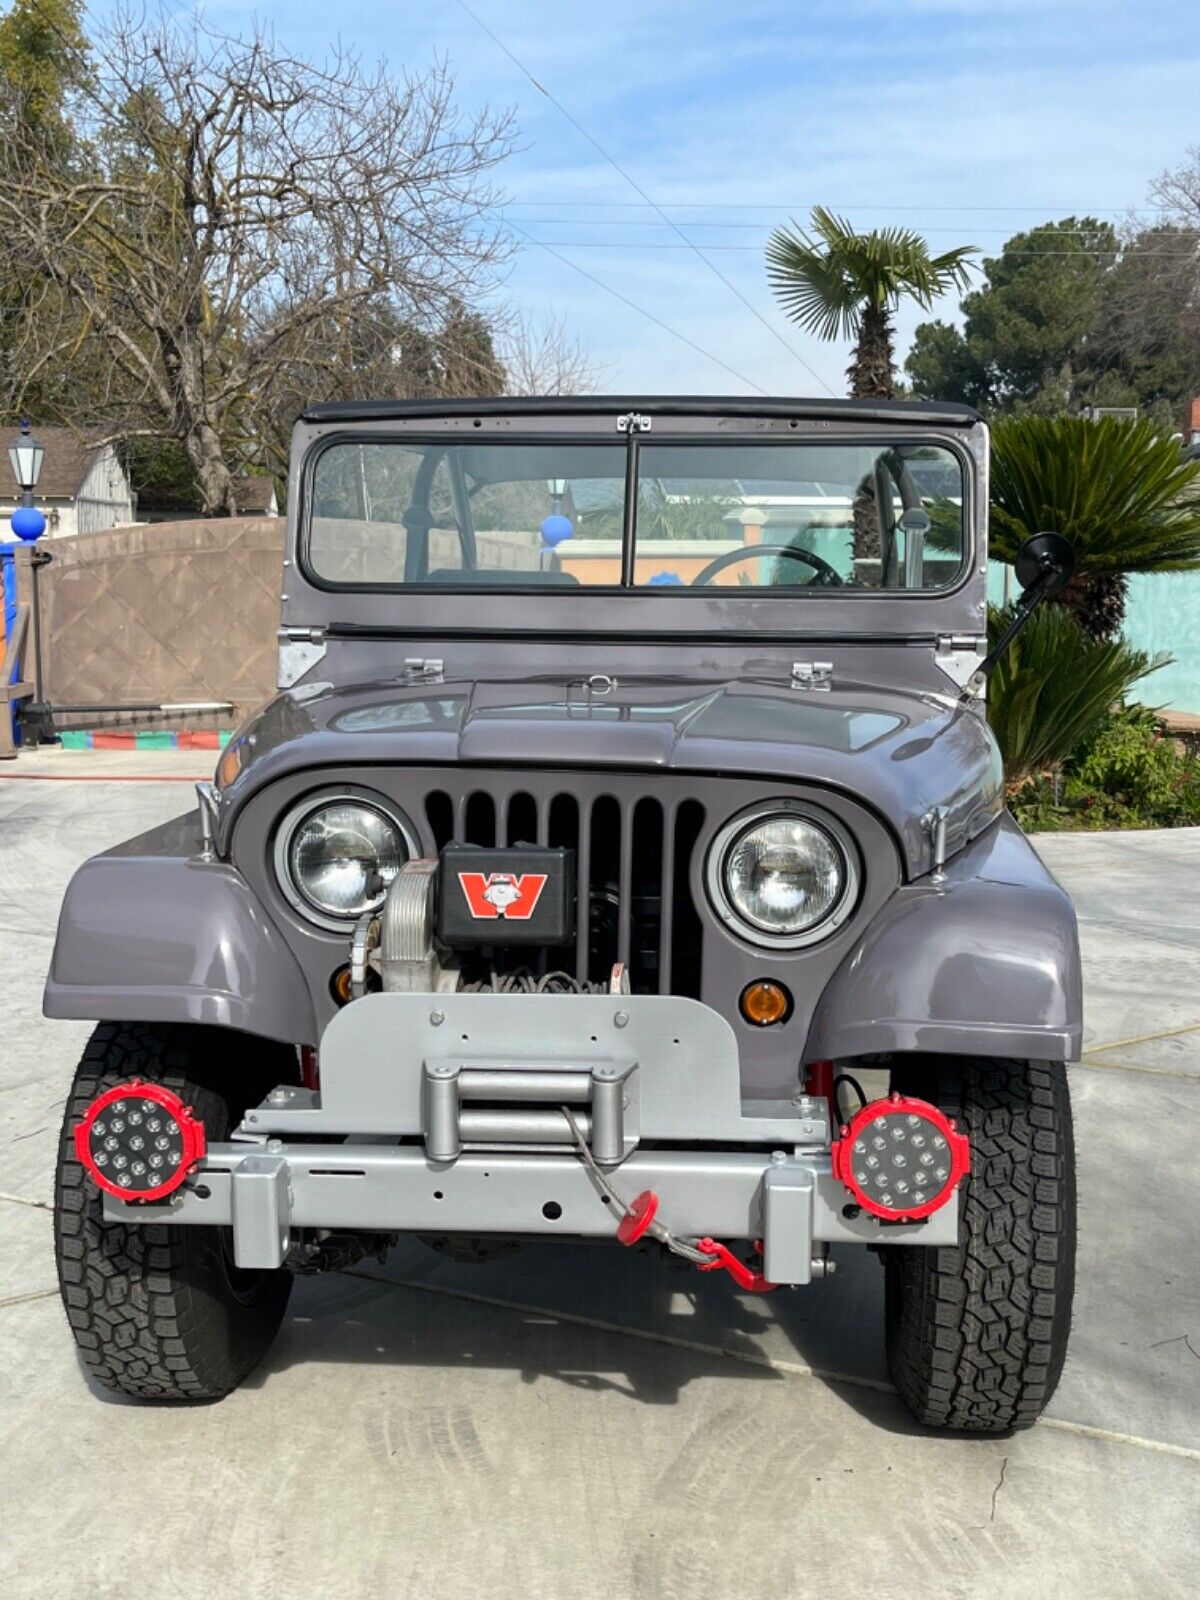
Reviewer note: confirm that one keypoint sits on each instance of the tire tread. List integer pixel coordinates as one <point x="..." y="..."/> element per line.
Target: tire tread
<point x="978" y="1332"/>
<point x="144" y="1303"/>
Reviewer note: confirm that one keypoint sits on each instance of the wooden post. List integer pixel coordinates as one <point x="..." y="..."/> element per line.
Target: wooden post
<point x="14" y="650"/>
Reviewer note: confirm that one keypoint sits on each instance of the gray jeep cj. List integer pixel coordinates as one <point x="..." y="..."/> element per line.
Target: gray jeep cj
<point x="624" y="855"/>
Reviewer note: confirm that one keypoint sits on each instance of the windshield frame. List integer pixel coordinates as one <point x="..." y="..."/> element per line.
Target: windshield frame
<point x="633" y="447"/>
<point x="552" y="612"/>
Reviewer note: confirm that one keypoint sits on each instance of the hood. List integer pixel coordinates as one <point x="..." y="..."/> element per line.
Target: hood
<point x="899" y="751"/>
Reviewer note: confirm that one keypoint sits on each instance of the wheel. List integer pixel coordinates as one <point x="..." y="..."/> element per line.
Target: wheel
<point x="977" y="1334"/>
<point x="157" y="1311"/>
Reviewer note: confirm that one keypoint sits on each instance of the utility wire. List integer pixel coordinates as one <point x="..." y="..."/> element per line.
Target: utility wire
<point x="636" y="222"/>
<point x="633" y="306"/>
<point x="636" y="186"/>
<point x="806" y="205"/>
<point x="649" y="244"/>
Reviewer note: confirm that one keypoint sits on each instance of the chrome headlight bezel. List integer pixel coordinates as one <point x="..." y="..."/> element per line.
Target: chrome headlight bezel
<point x="769" y="811"/>
<point x="299" y="814"/>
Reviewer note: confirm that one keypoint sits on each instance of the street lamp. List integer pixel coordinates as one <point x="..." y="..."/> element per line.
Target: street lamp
<point x="25" y="457"/>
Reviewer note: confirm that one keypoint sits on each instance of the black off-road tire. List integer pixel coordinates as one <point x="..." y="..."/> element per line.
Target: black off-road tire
<point x="977" y="1334"/>
<point x="161" y="1312"/>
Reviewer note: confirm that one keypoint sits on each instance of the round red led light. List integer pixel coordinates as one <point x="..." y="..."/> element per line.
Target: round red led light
<point x="901" y="1158"/>
<point x="139" y="1141"/>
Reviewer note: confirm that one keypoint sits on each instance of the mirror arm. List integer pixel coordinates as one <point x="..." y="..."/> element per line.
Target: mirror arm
<point x="1032" y="598"/>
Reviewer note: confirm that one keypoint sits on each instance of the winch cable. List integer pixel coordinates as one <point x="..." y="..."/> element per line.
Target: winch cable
<point x="659" y="1230"/>
<point x="523" y="981"/>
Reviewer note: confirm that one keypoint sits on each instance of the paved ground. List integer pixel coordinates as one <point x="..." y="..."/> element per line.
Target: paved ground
<point x="567" y="1423"/>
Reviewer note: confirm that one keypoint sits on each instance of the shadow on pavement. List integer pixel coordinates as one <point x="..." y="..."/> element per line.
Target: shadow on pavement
<point x="595" y="1318"/>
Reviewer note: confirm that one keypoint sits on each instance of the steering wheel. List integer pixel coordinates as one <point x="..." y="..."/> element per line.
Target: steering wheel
<point x="826" y="576"/>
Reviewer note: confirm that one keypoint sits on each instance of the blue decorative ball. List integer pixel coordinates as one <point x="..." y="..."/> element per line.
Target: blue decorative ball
<point x="28" y="523"/>
<point x="557" y="528"/>
<point x="666" y="577"/>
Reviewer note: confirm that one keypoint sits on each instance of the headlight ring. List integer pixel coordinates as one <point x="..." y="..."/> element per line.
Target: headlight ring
<point x="361" y="827"/>
<point x="831" y="850"/>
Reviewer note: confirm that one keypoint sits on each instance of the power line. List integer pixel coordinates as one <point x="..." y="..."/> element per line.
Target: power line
<point x="633" y="306"/>
<point x="807" y="205"/>
<point x="637" y="188"/>
<point x="648" y="244"/>
<point x="634" y="222"/>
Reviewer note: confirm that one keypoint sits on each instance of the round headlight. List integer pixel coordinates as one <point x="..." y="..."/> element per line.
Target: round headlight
<point x="336" y="856"/>
<point x="786" y="878"/>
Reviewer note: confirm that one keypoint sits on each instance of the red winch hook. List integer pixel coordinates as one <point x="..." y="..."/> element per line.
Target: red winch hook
<point x="742" y="1275"/>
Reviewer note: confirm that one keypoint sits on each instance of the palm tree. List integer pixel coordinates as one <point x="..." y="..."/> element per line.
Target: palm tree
<point x="1119" y="491"/>
<point x="841" y="284"/>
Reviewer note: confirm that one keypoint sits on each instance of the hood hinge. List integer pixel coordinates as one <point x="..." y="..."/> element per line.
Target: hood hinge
<point x="424" y="669"/>
<point x="812" y="674"/>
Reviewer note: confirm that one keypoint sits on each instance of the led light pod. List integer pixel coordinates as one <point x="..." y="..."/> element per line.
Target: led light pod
<point x="111" y="1147"/>
<point x="901" y="1158"/>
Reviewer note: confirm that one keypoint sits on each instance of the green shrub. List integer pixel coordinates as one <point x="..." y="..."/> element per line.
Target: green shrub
<point x="1128" y="773"/>
<point x="1054" y="687"/>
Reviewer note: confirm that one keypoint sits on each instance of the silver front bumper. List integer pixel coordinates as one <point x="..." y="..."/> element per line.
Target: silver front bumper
<point x="442" y="1114"/>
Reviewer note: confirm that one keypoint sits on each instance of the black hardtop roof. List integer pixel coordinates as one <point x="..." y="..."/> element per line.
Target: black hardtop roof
<point x="943" y="412"/>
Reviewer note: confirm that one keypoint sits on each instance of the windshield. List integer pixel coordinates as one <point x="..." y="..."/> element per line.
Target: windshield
<point x="805" y="516"/>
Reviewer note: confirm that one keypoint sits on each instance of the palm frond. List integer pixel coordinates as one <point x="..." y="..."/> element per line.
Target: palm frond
<point x="825" y="278"/>
<point x="812" y="285"/>
<point x="1120" y="492"/>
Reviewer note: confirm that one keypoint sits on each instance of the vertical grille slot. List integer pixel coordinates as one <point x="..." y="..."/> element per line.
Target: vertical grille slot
<point x="602" y="888"/>
<point x="643" y="903"/>
<point x="686" y="929"/>
<point x="477" y="819"/>
<point x="439" y="813"/>
<point x="520" y="826"/>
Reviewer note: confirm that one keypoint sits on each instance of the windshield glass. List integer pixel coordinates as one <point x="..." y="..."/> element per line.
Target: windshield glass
<point x="810" y="516"/>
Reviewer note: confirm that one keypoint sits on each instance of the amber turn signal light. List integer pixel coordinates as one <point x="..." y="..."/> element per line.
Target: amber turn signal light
<point x="764" y="1002"/>
<point x="339" y="986"/>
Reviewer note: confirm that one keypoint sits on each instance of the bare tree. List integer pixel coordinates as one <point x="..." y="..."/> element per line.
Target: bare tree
<point x="541" y="357"/>
<point x="230" y="206"/>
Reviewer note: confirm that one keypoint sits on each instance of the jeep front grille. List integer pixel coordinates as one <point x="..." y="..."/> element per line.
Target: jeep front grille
<point x="633" y="856"/>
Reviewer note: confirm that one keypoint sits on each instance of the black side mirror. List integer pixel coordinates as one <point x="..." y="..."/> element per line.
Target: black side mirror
<point x="1044" y="565"/>
<point x="1046" y="559"/>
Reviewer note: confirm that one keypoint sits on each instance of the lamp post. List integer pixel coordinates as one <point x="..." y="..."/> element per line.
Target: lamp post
<point x="25" y="456"/>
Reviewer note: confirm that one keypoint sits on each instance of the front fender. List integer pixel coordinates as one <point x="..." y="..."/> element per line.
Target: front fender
<point x="150" y="932"/>
<point x="987" y="964"/>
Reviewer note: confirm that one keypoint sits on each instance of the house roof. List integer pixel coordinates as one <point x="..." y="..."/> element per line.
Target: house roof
<point x="64" y="465"/>
<point x="253" y="494"/>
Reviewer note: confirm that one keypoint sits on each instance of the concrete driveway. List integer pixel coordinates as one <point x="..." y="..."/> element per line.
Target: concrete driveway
<point x="575" y="1421"/>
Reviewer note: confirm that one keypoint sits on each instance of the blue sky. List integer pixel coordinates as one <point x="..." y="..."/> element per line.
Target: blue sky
<point x="966" y="119"/>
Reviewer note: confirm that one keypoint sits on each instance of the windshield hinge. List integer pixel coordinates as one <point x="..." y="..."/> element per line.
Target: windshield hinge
<point x="959" y="655"/>
<point x="299" y="650"/>
<point x="633" y="422"/>
<point x="812" y="674"/>
<point x="424" y="669"/>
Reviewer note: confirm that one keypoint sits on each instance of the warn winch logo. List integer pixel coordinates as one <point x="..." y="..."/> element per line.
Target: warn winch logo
<point x="502" y="894"/>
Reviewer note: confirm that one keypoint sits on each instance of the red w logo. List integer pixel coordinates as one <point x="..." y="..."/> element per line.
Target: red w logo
<point x="502" y="894"/>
